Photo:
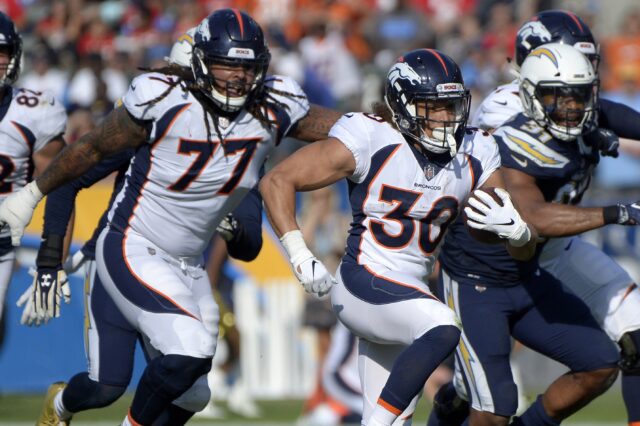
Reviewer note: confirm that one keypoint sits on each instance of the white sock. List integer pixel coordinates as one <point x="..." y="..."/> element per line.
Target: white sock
<point x="126" y="422"/>
<point x="381" y="417"/>
<point x="61" y="411"/>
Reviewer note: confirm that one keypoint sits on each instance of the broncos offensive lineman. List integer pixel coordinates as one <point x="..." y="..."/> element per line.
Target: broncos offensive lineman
<point x="31" y="128"/>
<point x="108" y="377"/>
<point x="201" y="141"/>
<point x="586" y="270"/>
<point x="408" y="169"/>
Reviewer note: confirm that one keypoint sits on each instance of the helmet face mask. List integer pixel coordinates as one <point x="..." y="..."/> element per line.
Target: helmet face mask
<point x="230" y="59"/>
<point x="567" y="108"/>
<point x="559" y="90"/>
<point x="227" y="82"/>
<point x="430" y="104"/>
<point x="436" y="120"/>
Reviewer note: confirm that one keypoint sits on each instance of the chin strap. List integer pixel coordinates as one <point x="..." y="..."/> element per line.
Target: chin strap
<point x="443" y="134"/>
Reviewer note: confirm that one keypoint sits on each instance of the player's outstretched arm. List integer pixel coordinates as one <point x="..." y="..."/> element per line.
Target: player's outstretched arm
<point x="312" y="167"/>
<point x="624" y="121"/>
<point x="316" y="124"/>
<point x="550" y="219"/>
<point x="118" y="131"/>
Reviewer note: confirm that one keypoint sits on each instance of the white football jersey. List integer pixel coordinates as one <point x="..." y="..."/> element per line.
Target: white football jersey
<point x="28" y="121"/>
<point x="179" y="186"/>
<point x="498" y="107"/>
<point x="403" y="202"/>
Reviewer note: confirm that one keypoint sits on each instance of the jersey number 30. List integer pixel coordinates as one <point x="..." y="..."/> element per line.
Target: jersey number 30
<point x="442" y="213"/>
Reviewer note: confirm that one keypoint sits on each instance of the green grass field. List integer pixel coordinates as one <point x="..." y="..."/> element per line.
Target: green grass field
<point x="23" y="410"/>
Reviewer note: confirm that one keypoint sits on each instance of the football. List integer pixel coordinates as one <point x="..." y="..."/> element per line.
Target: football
<point x="483" y="236"/>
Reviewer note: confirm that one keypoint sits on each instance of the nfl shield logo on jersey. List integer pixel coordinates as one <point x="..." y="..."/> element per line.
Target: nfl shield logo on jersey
<point x="429" y="171"/>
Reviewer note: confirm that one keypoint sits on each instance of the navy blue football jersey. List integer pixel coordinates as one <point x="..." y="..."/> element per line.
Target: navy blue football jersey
<point x="563" y="172"/>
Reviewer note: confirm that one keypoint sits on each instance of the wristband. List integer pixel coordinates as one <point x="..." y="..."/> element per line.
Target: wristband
<point x="295" y="246"/>
<point x="50" y="251"/>
<point x="611" y="214"/>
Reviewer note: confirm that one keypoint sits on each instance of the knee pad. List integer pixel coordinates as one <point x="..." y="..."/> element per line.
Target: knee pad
<point x="178" y="371"/>
<point x="196" y="397"/>
<point x="630" y="352"/>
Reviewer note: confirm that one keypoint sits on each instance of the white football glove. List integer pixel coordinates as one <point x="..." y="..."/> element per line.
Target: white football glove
<point x="16" y="210"/>
<point x="311" y="273"/>
<point x="501" y="220"/>
<point x="29" y="316"/>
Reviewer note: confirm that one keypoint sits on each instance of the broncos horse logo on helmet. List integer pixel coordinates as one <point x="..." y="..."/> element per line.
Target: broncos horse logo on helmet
<point x="428" y="77"/>
<point x="556" y="26"/>
<point x="402" y="70"/>
<point x="536" y="31"/>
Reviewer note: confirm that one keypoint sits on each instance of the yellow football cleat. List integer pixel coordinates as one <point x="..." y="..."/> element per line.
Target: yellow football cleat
<point x="48" y="416"/>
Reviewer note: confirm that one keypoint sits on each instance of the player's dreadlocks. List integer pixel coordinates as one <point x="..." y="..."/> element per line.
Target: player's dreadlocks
<point x="382" y="110"/>
<point x="258" y="108"/>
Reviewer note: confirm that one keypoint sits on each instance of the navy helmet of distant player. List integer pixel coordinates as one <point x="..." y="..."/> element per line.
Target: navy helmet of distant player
<point x="11" y="45"/>
<point x="559" y="90"/>
<point x="556" y="26"/>
<point x="230" y="59"/>
<point x="430" y="105"/>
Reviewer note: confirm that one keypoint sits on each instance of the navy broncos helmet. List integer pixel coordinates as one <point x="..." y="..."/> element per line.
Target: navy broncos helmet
<point x="556" y="26"/>
<point x="11" y="41"/>
<point x="229" y="37"/>
<point x="429" y="76"/>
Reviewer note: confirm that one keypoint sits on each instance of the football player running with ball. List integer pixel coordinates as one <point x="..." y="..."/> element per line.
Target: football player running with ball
<point x="409" y="169"/>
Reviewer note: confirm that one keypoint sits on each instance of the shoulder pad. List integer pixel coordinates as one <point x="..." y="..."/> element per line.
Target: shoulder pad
<point x="288" y="92"/>
<point x="144" y="90"/>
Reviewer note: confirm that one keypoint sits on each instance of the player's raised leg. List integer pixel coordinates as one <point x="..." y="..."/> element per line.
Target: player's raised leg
<point x="405" y="334"/>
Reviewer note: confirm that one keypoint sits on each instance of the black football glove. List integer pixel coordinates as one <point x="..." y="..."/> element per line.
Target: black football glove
<point x="605" y="141"/>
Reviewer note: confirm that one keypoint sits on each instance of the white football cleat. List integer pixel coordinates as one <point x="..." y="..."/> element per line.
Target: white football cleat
<point x="241" y="403"/>
<point x="211" y="411"/>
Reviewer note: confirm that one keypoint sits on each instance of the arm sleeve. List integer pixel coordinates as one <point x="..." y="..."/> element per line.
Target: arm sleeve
<point x="353" y="132"/>
<point x="60" y="202"/>
<point x="624" y="121"/>
<point x="247" y="240"/>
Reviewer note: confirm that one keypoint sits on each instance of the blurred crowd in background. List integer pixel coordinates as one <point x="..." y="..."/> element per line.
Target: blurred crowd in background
<point x="86" y="52"/>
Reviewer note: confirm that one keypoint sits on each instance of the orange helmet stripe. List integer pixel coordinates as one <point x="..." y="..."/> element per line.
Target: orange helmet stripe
<point x="575" y="19"/>
<point x="437" y="55"/>
<point x="241" y="23"/>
